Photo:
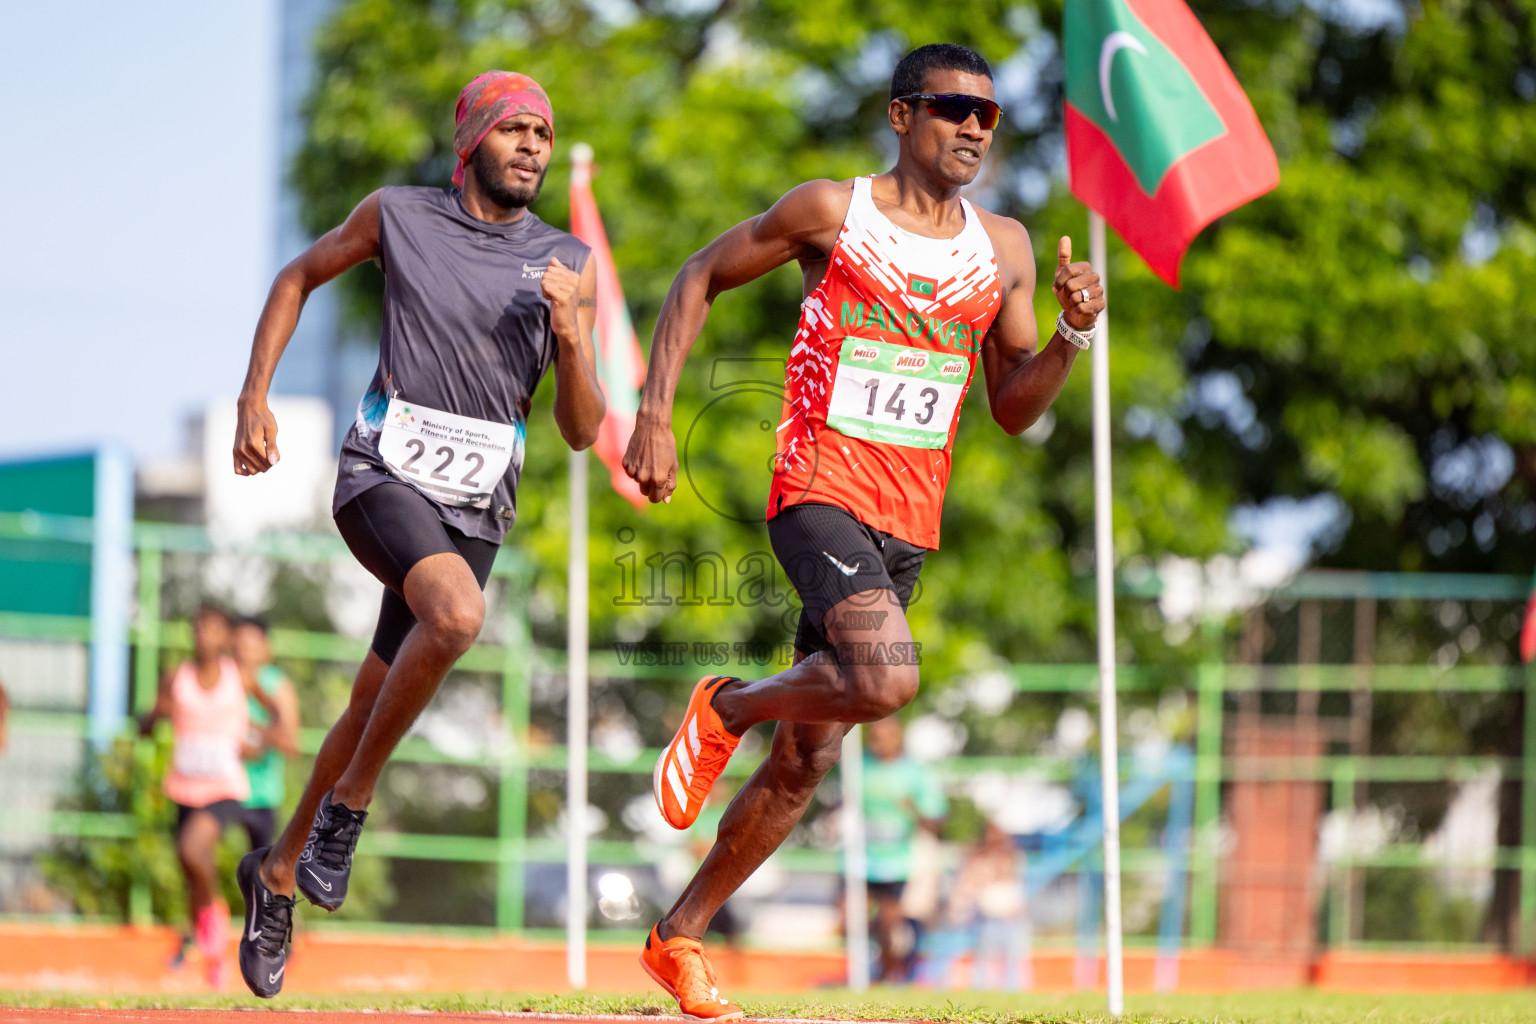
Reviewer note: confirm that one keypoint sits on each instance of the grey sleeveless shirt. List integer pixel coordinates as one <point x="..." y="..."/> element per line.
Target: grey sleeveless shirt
<point x="466" y="331"/>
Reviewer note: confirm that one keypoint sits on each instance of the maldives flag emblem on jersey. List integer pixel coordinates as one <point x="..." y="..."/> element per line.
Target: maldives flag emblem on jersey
<point x="1161" y="139"/>
<point x="924" y="287"/>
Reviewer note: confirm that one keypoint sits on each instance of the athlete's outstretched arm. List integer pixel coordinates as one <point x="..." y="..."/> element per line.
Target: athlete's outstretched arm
<point x="579" y="404"/>
<point x="1021" y="381"/>
<point x="339" y="249"/>
<point x="803" y="225"/>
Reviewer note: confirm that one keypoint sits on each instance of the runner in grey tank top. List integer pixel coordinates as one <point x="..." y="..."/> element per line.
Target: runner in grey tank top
<point x="466" y="331"/>
<point x="480" y="297"/>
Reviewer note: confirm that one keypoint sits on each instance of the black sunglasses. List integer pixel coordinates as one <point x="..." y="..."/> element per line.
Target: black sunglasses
<point x="957" y="107"/>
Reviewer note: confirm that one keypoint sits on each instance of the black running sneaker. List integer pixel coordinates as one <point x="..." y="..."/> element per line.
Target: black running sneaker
<point x="323" y="867"/>
<point x="179" y="960"/>
<point x="268" y="927"/>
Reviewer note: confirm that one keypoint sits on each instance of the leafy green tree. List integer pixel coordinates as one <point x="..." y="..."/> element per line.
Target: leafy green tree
<point x="1361" y="335"/>
<point x="1372" y="311"/>
<point x="700" y="120"/>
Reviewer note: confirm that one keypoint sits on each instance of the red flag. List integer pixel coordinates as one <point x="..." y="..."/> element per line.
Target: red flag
<point x="620" y="366"/>
<point x="1528" y="632"/>
<point x="1161" y="139"/>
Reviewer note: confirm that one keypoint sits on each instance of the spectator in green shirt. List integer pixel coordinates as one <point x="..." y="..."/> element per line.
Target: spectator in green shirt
<point x="900" y="797"/>
<point x="274" y="706"/>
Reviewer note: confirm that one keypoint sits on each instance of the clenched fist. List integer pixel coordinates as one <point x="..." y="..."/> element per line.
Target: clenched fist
<point x="651" y="460"/>
<point x="255" y="437"/>
<point x="561" y="284"/>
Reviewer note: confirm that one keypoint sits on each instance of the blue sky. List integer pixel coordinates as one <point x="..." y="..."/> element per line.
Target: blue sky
<point x="137" y="235"/>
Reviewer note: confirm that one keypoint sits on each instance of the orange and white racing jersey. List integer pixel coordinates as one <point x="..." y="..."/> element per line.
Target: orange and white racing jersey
<point x="882" y="360"/>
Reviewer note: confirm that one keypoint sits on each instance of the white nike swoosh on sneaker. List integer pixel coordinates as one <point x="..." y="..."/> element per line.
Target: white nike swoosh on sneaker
<point x="272" y="978"/>
<point x="251" y="934"/>
<point x="845" y="570"/>
<point x="322" y="882"/>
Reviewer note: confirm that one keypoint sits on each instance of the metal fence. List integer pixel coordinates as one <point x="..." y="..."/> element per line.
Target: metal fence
<point x="1233" y="681"/>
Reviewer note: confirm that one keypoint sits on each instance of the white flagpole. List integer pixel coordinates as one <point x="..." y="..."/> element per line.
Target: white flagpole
<point x="576" y="733"/>
<point x="1104" y="561"/>
<point x="855" y="861"/>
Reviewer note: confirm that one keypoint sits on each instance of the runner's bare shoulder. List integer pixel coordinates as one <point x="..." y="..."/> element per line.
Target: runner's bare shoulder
<point x="815" y="211"/>
<point x="824" y="196"/>
<point x="1010" y="244"/>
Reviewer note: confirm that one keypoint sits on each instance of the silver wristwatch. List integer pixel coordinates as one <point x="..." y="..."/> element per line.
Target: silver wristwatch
<point x="1079" y="338"/>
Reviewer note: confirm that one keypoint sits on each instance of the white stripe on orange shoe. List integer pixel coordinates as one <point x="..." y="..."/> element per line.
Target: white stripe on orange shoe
<point x="679" y="788"/>
<point x="685" y="761"/>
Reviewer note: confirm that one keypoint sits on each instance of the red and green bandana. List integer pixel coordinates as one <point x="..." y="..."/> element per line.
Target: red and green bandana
<point x="489" y="100"/>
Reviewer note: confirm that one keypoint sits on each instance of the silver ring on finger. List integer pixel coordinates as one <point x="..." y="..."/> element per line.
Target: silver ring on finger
<point x="1085" y="294"/>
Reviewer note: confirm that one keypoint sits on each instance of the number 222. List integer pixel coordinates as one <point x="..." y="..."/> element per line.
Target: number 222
<point x="468" y="480"/>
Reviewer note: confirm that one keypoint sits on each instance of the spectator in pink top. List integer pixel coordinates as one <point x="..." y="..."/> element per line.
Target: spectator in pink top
<point x="205" y="701"/>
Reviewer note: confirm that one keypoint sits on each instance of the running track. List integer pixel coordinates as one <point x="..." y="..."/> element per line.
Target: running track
<point x="23" y="1015"/>
<point x="85" y="1016"/>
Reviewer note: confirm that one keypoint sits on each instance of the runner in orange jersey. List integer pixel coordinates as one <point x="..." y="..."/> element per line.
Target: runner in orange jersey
<point x="907" y="287"/>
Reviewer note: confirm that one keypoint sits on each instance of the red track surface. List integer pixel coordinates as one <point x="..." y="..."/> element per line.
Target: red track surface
<point x="223" y="1017"/>
<point x="85" y="1016"/>
<point x="113" y="961"/>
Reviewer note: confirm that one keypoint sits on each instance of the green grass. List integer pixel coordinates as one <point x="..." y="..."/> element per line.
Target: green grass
<point x="901" y="1004"/>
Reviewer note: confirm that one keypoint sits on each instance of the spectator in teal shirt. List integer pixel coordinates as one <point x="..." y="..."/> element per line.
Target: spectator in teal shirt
<point x="900" y="797"/>
<point x="274" y="728"/>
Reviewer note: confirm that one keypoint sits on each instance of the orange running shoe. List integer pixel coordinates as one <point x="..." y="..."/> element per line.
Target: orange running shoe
<point x="690" y="765"/>
<point x="680" y="966"/>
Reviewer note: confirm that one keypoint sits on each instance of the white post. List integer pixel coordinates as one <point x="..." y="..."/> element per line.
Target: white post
<point x="576" y="733"/>
<point x="1104" y="562"/>
<point x="855" y="868"/>
<point x="111" y="593"/>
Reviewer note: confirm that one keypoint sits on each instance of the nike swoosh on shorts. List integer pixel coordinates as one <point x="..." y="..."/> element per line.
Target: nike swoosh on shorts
<point x="845" y="570"/>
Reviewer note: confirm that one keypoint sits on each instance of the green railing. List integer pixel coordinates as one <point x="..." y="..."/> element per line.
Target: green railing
<point x="511" y="849"/>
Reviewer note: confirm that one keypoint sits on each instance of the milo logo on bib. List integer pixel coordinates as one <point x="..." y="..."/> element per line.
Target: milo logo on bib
<point x="895" y="394"/>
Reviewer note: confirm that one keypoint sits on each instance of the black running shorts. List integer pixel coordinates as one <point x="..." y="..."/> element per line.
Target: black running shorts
<point x="829" y="556"/>
<point x="390" y="527"/>
<point x="225" y="812"/>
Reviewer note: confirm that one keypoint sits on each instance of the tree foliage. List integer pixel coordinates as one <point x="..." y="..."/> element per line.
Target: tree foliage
<point x="1361" y="335"/>
<point x="1361" y="332"/>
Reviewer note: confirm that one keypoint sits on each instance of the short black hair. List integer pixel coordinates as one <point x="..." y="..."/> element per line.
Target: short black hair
<point x="912" y="70"/>
<point x="254" y="621"/>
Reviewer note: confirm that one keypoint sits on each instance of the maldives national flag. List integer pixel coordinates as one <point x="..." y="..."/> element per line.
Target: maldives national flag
<point x="620" y="366"/>
<point x="1161" y="139"/>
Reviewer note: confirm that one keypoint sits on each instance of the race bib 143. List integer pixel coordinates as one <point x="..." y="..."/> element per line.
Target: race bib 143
<point x="896" y="394"/>
<point x="456" y="460"/>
